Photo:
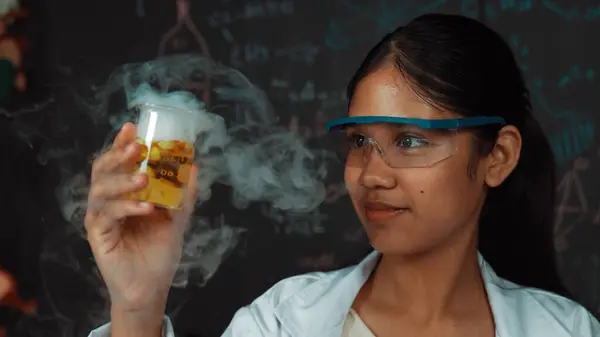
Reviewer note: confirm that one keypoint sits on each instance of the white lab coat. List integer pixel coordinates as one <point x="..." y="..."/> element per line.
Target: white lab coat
<point x="316" y="305"/>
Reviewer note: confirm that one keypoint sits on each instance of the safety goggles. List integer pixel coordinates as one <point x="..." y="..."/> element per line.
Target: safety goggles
<point x="400" y="142"/>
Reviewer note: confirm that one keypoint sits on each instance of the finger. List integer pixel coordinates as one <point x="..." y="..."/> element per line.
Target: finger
<point x="116" y="160"/>
<point x="117" y="210"/>
<point x="7" y="283"/>
<point x="125" y="136"/>
<point x="113" y="212"/>
<point x="114" y="187"/>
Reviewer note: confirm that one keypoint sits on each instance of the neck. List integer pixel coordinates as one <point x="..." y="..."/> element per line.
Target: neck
<point x="432" y="286"/>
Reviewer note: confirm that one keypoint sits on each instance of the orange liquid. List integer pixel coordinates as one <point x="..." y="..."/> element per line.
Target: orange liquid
<point x="168" y="165"/>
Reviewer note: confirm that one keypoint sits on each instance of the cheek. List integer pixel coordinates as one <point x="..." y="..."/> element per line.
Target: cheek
<point x="442" y="193"/>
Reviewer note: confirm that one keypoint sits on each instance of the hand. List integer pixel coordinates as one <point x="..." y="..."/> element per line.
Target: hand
<point x="137" y="247"/>
<point x="9" y="297"/>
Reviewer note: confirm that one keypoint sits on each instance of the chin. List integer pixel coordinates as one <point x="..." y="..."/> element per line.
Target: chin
<point x="388" y="243"/>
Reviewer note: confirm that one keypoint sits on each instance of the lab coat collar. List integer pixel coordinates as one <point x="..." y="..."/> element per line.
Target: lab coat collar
<point x="320" y="309"/>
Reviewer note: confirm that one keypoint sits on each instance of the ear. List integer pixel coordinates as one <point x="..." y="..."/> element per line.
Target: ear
<point x="504" y="156"/>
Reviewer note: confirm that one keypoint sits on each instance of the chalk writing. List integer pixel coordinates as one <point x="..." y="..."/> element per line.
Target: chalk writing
<point x="574" y="74"/>
<point x="363" y="24"/>
<point x="254" y="53"/>
<point x="520" y="50"/>
<point x="572" y="141"/>
<point x="324" y="261"/>
<point x="304" y="53"/>
<point x="356" y="235"/>
<point x="250" y="53"/>
<point x="252" y="10"/>
<point x="579" y="132"/>
<point x="296" y="223"/>
<point x="516" y="5"/>
<point x="573" y="12"/>
<point x="308" y="93"/>
<point x="313" y="130"/>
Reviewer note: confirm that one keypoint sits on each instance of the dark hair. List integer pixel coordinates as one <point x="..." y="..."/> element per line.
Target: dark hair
<point x="458" y="64"/>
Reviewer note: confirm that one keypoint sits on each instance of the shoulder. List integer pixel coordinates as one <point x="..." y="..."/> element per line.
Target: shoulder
<point x="259" y="318"/>
<point x="539" y="310"/>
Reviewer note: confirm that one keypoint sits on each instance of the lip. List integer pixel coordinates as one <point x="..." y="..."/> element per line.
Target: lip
<point x="382" y="214"/>
<point x="378" y="211"/>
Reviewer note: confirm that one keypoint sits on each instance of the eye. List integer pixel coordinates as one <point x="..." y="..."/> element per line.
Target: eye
<point x="411" y="142"/>
<point x="356" y="140"/>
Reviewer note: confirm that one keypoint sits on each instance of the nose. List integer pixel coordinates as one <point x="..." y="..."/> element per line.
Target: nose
<point x="376" y="174"/>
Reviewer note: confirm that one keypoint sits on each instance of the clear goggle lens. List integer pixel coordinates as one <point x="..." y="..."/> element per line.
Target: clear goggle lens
<point x="400" y="142"/>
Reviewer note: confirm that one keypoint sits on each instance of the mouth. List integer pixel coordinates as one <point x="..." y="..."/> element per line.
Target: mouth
<point x="377" y="211"/>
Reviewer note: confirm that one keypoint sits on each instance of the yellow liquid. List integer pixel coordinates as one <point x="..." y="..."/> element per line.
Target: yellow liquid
<point x="168" y="165"/>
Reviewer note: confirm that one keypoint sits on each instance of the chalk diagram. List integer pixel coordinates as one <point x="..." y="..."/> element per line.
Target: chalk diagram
<point x="184" y="38"/>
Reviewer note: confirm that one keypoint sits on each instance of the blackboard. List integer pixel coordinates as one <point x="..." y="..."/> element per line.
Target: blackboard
<point x="301" y="55"/>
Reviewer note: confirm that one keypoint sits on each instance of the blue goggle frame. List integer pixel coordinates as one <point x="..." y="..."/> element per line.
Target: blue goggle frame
<point x="452" y="123"/>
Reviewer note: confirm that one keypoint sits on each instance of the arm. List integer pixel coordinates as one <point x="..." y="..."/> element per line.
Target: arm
<point x="243" y="324"/>
<point x="163" y="329"/>
<point x="127" y="324"/>
<point x="136" y="324"/>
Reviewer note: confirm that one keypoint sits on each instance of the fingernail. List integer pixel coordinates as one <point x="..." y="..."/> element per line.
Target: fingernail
<point x="145" y="205"/>
<point x="137" y="179"/>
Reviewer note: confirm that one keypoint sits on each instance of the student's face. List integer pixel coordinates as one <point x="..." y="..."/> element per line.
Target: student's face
<point x="433" y="206"/>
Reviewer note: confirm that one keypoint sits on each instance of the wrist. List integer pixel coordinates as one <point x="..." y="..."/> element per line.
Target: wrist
<point x="133" y="323"/>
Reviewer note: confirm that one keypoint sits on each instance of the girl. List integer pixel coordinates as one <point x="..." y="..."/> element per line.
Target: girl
<point x="451" y="177"/>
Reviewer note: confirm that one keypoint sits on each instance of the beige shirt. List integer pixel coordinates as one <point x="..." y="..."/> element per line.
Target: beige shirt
<point x="355" y="327"/>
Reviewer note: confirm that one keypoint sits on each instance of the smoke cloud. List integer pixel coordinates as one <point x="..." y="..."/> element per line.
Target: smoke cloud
<point x="259" y="159"/>
<point x="239" y="144"/>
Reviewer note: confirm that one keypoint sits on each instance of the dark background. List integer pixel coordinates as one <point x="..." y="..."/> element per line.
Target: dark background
<point x="301" y="53"/>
